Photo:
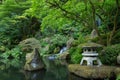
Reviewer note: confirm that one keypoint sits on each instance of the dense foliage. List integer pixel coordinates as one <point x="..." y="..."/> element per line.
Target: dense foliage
<point x="59" y="20"/>
<point x="13" y="57"/>
<point x="109" y="54"/>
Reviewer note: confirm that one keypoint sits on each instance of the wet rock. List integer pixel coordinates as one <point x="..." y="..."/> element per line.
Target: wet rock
<point x="64" y="55"/>
<point x="94" y="71"/>
<point x="29" y="44"/>
<point x="33" y="61"/>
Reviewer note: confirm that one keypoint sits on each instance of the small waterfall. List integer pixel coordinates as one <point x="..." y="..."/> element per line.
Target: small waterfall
<point x="54" y="56"/>
<point x="63" y="50"/>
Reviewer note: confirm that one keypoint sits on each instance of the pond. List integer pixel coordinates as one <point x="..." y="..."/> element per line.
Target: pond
<point x="55" y="70"/>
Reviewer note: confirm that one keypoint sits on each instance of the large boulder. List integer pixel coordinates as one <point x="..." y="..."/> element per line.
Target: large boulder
<point x="94" y="72"/>
<point x="29" y="44"/>
<point x="34" y="61"/>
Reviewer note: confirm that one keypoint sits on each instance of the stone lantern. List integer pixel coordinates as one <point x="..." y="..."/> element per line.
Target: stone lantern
<point x="90" y="55"/>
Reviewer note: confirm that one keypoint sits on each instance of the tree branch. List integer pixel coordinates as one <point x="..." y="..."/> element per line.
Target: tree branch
<point x="115" y="23"/>
<point x="67" y="13"/>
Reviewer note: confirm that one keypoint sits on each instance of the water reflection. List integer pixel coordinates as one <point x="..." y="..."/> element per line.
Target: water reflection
<point x="74" y="77"/>
<point x="11" y="74"/>
<point x="35" y="75"/>
<point x="55" y="70"/>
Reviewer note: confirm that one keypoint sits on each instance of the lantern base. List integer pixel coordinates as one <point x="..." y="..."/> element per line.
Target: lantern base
<point x="90" y="61"/>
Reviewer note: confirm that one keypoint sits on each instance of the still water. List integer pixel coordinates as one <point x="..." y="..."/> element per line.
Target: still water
<point x="55" y="70"/>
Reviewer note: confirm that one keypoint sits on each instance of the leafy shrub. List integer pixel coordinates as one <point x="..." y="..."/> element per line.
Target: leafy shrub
<point x="9" y="34"/>
<point x="81" y="39"/>
<point x="76" y="49"/>
<point x="12" y="24"/>
<point x="109" y="54"/>
<point x="75" y="53"/>
<point x="12" y="57"/>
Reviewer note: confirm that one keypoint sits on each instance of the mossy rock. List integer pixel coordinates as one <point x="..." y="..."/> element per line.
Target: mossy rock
<point x="29" y="44"/>
<point x="33" y="61"/>
<point x="94" y="72"/>
<point x="64" y="55"/>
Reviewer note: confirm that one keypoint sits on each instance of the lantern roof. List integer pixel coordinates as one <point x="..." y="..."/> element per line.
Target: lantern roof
<point x="92" y="45"/>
